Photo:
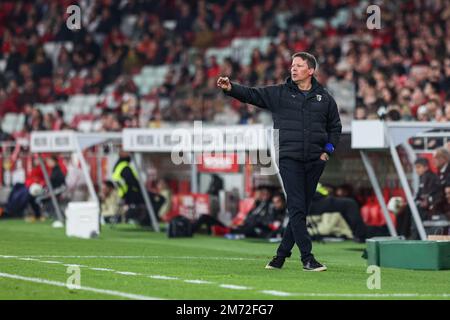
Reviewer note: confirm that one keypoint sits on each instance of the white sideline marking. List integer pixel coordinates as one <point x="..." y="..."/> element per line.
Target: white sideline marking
<point x="374" y="295"/>
<point x="198" y="281"/>
<point x="140" y="257"/>
<point x="277" y="293"/>
<point x="126" y="273"/>
<point x="50" y="262"/>
<point x="101" y="269"/>
<point x="74" y="265"/>
<point x="163" y="277"/>
<point x="232" y="286"/>
<point x="62" y="284"/>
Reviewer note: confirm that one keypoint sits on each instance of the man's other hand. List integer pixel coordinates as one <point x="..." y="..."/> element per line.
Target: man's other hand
<point x="224" y="83"/>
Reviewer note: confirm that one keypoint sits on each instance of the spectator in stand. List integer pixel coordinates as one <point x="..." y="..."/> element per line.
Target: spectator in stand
<point x="59" y="123"/>
<point x="48" y="121"/>
<point x="5" y="136"/>
<point x="34" y="120"/>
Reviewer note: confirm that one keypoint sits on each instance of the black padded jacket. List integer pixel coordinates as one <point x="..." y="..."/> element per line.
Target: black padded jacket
<point x="306" y="123"/>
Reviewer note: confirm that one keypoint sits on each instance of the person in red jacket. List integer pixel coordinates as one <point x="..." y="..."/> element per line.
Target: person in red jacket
<point x="35" y="183"/>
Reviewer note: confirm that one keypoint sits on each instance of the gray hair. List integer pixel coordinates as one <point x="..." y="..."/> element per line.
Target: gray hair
<point x="442" y="152"/>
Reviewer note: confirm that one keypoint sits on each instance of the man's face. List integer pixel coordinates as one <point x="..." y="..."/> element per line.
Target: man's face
<point x="447" y="67"/>
<point x="447" y="111"/>
<point x="265" y="195"/>
<point x="50" y="162"/>
<point x="439" y="161"/>
<point x="123" y="154"/>
<point x="300" y="70"/>
<point x="420" y="169"/>
<point x="447" y="194"/>
<point x="360" y="113"/>
<point x="106" y="190"/>
<point x="278" y="203"/>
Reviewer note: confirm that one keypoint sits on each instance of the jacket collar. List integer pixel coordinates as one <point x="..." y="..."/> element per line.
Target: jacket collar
<point x="315" y="85"/>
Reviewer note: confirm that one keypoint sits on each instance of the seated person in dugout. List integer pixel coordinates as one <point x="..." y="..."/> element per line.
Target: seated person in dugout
<point x="125" y="177"/>
<point x="323" y="202"/>
<point x="37" y="188"/>
<point x="427" y="199"/>
<point x="444" y="205"/>
<point x="261" y="222"/>
<point x="110" y="200"/>
<point x="441" y="158"/>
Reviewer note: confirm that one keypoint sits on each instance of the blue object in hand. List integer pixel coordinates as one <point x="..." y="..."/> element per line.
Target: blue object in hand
<point x="329" y="148"/>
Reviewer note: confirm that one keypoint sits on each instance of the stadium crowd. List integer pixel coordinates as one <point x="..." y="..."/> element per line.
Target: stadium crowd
<point x="401" y="71"/>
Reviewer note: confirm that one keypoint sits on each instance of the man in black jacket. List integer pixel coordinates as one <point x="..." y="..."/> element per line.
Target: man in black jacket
<point x="309" y="127"/>
<point x="429" y="193"/>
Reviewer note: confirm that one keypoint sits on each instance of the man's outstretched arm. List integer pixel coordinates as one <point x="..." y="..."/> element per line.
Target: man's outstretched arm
<point x="263" y="97"/>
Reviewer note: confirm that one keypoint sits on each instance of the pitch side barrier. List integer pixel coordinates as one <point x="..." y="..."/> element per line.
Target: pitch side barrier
<point x="379" y="136"/>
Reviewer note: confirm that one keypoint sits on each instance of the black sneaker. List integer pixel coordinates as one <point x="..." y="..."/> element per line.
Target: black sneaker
<point x="276" y="263"/>
<point x="313" y="265"/>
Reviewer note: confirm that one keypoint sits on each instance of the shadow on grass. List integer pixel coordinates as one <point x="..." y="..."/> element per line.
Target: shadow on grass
<point x="127" y="228"/>
<point x="356" y="249"/>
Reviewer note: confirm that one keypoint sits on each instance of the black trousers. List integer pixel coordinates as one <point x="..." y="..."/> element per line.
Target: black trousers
<point x="300" y="182"/>
<point x="34" y="205"/>
<point x="406" y="224"/>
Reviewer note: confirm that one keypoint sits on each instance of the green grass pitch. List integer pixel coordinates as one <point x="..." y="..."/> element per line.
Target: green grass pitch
<point x="129" y="262"/>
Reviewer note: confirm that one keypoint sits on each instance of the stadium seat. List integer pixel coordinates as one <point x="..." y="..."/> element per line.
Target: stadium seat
<point x="11" y="121"/>
<point x="372" y="214"/>
<point x="85" y="126"/>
